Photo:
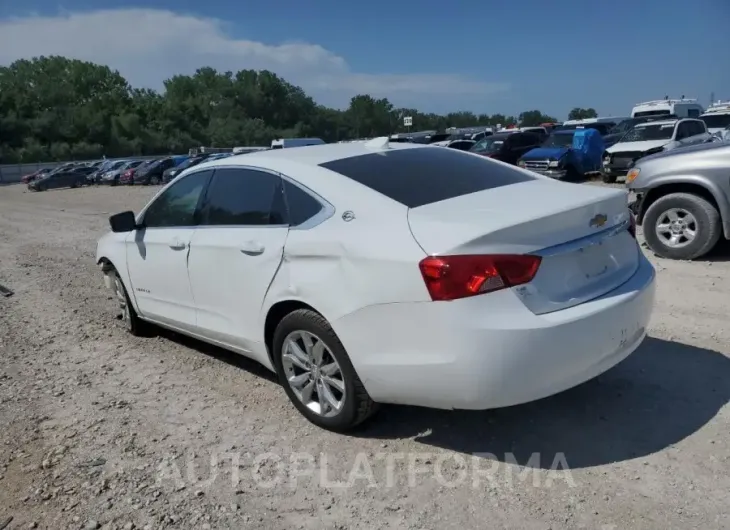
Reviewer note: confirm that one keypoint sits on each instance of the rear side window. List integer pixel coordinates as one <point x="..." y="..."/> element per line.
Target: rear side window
<point x="244" y="197"/>
<point x="302" y="206"/>
<point x="415" y="177"/>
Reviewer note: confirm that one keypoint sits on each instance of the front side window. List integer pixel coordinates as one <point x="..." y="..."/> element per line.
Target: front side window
<point x="176" y="206"/>
<point x="242" y="196"/>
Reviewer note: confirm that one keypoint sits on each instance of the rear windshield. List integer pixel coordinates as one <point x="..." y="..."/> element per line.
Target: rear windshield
<point x="415" y="177"/>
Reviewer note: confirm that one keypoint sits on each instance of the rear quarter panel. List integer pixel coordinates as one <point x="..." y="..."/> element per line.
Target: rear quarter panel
<point x="339" y="267"/>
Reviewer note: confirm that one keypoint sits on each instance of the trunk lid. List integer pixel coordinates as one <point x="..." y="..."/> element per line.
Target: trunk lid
<point x="578" y="230"/>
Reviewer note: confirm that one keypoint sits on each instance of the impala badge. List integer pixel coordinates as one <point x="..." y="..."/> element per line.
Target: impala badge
<point x="598" y="221"/>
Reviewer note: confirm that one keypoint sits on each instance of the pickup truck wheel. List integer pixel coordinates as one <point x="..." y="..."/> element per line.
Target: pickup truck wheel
<point x="682" y="226"/>
<point x="608" y="178"/>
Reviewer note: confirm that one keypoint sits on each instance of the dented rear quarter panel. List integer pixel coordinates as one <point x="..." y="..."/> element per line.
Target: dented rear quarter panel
<point x="341" y="266"/>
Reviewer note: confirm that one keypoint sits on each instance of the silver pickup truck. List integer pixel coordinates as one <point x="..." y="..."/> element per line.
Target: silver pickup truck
<point x="681" y="199"/>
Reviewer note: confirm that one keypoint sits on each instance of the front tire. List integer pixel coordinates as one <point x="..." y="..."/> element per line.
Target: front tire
<point x="316" y="373"/>
<point x="608" y="178"/>
<point x="132" y="323"/>
<point x="154" y="180"/>
<point x="682" y="226"/>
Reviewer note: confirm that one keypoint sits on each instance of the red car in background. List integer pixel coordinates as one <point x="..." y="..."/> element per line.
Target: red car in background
<point x="32" y="176"/>
<point x="128" y="176"/>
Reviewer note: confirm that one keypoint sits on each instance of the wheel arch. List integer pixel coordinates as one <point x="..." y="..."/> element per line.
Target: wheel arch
<point x="275" y="315"/>
<point x="697" y="187"/>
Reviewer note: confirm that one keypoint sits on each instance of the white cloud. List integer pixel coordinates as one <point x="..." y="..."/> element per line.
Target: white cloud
<point x="150" y="45"/>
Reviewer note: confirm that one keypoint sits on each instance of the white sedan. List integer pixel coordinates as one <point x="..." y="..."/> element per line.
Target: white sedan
<point x="369" y="272"/>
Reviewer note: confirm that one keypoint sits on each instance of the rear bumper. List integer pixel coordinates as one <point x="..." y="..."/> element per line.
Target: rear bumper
<point x="481" y="353"/>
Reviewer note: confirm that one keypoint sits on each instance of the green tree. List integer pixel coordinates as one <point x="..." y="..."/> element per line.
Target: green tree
<point x="581" y="114"/>
<point x="54" y="108"/>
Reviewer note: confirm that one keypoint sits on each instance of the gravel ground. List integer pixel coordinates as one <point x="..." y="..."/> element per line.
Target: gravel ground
<point x="99" y="429"/>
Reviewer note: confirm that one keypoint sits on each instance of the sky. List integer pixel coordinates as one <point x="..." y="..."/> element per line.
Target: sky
<point x="485" y="56"/>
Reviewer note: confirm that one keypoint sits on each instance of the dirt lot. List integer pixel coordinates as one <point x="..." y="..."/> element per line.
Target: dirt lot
<point x="102" y="430"/>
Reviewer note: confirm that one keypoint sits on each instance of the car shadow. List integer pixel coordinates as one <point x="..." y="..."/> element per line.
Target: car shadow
<point x="221" y="354"/>
<point x="661" y="394"/>
<point x="720" y="253"/>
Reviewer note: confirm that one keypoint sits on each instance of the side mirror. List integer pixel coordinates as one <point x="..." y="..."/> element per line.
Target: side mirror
<point x="123" y="222"/>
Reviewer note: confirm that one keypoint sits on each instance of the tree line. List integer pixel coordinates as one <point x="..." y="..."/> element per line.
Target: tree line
<point x="55" y="109"/>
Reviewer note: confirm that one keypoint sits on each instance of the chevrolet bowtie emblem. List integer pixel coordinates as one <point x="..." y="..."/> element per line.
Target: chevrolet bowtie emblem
<point x="598" y="221"/>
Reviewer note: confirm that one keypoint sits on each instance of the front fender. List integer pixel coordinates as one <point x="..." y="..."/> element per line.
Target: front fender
<point x="111" y="254"/>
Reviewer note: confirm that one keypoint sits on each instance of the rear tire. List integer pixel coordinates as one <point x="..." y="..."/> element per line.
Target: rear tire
<point x="132" y="323"/>
<point x="355" y="403"/>
<point x="706" y="223"/>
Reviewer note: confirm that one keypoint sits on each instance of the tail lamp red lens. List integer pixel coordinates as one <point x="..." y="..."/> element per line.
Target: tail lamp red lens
<point x="454" y="277"/>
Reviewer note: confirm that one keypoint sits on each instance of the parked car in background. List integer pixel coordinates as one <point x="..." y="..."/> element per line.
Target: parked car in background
<point x="106" y="165"/>
<point x="151" y="173"/>
<point x="682" y="199"/>
<point x="620" y="129"/>
<point x="461" y="145"/>
<point x="109" y="169"/>
<point x="113" y="176"/>
<point x="36" y="174"/>
<point x="239" y="253"/>
<point x="126" y="177"/>
<point x="650" y="138"/>
<point x="507" y="147"/>
<point x="71" y="178"/>
<point x="717" y="117"/>
<point x="567" y="154"/>
<point x="193" y="161"/>
<point x="283" y="143"/>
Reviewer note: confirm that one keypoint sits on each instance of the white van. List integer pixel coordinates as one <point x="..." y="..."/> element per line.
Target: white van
<point x="281" y="143"/>
<point x="678" y="108"/>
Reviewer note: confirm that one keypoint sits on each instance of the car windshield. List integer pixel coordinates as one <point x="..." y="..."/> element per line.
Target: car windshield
<point x="558" y="140"/>
<point x="623" y="126"/>
<point x="649" y="132"/>
<point x="716" y="121"/>
<point x="490" y="144"/>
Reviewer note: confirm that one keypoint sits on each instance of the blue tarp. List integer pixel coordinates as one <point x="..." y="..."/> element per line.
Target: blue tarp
<point x="589" y="143"/>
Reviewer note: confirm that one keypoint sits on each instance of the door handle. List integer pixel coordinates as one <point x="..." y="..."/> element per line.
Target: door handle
<point x="178" y="244"/>
<point x="252" y="248"/>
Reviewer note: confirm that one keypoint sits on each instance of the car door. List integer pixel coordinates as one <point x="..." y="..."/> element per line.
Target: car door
<point x="236" y="252"/>
<point x="699" y="134"/>
<point x="157" y="255"/>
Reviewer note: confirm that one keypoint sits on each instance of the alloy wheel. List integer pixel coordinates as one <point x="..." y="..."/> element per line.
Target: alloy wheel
<point x="313" y="373"/>
<point x="676" y="227"/>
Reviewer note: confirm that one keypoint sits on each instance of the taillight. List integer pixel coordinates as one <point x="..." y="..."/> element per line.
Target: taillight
<point x="454" y="277"/>
<point x="632" y="225"/>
